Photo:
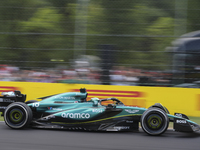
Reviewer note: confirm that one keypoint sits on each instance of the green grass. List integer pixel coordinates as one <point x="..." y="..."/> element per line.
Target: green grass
<point x="195" y="119"/>
<point x="1" y="118"/>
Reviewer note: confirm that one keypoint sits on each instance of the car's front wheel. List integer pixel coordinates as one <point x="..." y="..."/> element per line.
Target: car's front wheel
<point x="18" y="115"/>
<point x="154" y="121"/>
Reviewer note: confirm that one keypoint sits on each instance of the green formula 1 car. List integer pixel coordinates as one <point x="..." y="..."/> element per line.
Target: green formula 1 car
<point x="71" y="111"/>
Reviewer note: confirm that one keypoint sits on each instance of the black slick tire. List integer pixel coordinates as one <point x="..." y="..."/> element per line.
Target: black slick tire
<point x="18" y="115"/>
<point x="154" y="121"/>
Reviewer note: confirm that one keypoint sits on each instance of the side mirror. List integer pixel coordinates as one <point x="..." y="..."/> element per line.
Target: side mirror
<point x="95" y="103"/>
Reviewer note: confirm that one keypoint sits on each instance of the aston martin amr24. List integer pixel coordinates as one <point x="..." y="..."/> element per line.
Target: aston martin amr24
<point x="71" y="111"/>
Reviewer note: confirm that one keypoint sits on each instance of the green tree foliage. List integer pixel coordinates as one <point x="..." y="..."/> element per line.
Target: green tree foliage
<point x="10" y="17"/>
<point x="11" y="14"/>
<point x="134" y="28"/>
<point x="41" y="30"/>
<point x="193" y="11"/>
<point x="162" y="26"/>
<point x="37" y="32"/>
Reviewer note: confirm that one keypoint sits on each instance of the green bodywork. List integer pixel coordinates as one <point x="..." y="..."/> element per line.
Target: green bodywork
<point x="69" y="105"/>
<point x="72" y="109"/>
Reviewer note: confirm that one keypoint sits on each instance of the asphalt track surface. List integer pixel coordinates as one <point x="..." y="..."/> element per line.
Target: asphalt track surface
<point x="38" y="139"/>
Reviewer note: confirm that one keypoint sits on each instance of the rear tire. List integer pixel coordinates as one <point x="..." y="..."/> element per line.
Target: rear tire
<point x="18" y="115"/>
<point x="154" y="121"/>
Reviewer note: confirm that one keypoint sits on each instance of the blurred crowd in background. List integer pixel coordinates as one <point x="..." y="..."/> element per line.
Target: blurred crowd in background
<point x="119" y="75"/>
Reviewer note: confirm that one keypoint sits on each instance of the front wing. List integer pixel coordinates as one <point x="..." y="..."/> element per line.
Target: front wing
<point x="181" y="123"/>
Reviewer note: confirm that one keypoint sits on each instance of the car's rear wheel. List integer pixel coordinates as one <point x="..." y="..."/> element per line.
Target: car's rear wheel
<point x="154" y="121"/>
<point x="18" y="115"/>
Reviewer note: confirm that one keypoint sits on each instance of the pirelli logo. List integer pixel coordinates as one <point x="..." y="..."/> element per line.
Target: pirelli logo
<point x="132" y="98"/>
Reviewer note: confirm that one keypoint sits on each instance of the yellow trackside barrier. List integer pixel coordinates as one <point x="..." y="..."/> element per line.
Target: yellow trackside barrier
<point x="182" y="100"/>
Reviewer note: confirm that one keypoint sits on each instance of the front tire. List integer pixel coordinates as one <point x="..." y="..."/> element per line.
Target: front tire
<point x="18" y="115"/>
<point x="154" y="121"/>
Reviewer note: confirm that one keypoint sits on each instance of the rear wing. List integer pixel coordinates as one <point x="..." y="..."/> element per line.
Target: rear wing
<point x="6" y="98"/>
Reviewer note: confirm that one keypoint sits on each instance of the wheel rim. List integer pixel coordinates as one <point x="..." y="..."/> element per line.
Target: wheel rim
<point x="154" y="122"/>
<point x="16" y="116"/>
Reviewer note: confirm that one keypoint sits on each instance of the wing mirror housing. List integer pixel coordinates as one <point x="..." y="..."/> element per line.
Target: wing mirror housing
<point x="95" y="103"/>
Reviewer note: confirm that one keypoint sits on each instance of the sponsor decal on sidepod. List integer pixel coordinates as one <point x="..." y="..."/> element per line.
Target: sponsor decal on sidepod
<point x="122" y="127"/>
<point x="51" y="108"/>
<point x="131" y="111"/>
<point x="75" y="115"/>
<point x="97" y="110"/>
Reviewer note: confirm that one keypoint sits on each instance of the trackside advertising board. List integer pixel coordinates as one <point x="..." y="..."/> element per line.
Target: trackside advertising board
<point x="182" y="100"/>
